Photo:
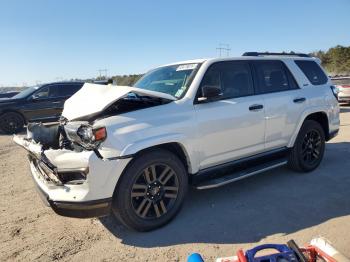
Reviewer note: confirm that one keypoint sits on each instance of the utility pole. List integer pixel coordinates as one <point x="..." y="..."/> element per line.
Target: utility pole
<point x="224" y="49"/>
<point x="101" y="71"/>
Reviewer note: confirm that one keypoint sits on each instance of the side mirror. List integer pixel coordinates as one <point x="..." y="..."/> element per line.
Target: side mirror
<point x="210" y="93"/>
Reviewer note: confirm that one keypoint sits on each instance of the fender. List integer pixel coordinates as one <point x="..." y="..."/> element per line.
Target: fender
<point x="131" y="149"/>
<point x="304" y="115"/>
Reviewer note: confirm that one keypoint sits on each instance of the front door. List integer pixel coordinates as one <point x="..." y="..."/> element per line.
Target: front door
<point x="233" y="126"/>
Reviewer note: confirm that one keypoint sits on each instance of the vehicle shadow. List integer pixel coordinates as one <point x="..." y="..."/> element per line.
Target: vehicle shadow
<point x="279" y="201"/>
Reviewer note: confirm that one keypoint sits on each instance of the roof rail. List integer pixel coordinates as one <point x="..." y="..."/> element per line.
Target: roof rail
<point x="274" y="54"/>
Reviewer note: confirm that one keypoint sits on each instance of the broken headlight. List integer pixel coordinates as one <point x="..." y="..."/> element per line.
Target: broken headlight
<point x="91" y="137"/>
<point x="85" y="135"/>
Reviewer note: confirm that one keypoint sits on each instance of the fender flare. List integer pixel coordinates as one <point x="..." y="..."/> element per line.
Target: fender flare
<point x="302" y="118"/>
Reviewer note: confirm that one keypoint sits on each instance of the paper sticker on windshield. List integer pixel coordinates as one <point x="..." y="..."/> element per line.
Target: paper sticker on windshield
<point x="186" y="67"/>
<point x="179" y="93"/>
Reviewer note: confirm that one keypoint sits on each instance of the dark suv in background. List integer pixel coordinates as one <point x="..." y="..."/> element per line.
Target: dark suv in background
<point x="42" y="103"/>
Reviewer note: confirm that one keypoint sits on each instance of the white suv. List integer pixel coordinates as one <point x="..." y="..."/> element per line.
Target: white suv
<point x="133" y="151"/>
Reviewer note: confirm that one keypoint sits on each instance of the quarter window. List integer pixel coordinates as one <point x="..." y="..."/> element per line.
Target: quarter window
<point x="312" y="71"/>
<point x="272" y="76"/>
<point x="233" y="77"/>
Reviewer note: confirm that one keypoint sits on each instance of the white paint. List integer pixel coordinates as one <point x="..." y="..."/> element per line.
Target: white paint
<point x="209" y="134"/>
<point x="92" y="99"/>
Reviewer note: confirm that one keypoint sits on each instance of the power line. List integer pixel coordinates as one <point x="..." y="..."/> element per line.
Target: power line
<point x="224" y="49"/>
<point x="101" y="71"/>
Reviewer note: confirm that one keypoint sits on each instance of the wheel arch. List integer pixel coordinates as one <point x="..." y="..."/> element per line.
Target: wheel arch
<point x="320" y="117"/>
<point x="176" y="148"/>
<point x="14" y="111"/>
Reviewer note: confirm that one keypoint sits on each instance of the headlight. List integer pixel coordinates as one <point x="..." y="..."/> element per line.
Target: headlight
<point x="91" y="137"/>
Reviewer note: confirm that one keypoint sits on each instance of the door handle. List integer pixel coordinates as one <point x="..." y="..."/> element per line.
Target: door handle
<point x="299" y="100"/>
<point x="58" y="102"/>
<point x="256" y="107"/>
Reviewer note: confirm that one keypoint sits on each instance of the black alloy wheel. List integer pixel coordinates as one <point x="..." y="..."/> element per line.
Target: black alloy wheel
<point x="155" y="191"/>
<point x="11" y="123"/>
<point x="311" y="147"/>
<point x="308" y="150"/>
<point x="151" y="190"/>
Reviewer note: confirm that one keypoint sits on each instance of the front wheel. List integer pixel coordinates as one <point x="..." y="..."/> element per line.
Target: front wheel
<point x="150" y="191"/>
<point x="309" y="147"/>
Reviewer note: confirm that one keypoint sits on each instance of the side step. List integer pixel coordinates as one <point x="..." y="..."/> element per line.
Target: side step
<point x="238" y="175"/>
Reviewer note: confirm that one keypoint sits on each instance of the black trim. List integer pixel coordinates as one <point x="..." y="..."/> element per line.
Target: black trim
<point x="238" y="165"/>
<point x="88" y="209"/>
<point x="299" y="100"/>
<point x="121" y="157"/>
<point x="274" y="54"/>
<point x="333" y="134"/>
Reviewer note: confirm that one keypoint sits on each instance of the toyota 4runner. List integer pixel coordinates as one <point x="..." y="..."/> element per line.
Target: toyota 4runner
<point x="133" y="151"/>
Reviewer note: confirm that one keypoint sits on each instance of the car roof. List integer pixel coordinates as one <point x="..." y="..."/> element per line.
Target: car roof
<point x="219" y="59"/>
<point x="63" y="83"/>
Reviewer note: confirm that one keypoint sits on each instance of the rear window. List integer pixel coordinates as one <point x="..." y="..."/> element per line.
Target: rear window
<point x="312" y="71"/>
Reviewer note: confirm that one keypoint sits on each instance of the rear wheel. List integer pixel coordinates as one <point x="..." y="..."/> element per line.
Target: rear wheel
<point x="151" y="191"/>
<point x="309" y="147"/>
<point x="11" y="123"/>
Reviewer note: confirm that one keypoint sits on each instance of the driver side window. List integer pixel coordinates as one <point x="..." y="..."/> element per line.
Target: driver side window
<point x="234" y="78"/>
<point x="211" y="78"/>
<point x="42" y="93"/>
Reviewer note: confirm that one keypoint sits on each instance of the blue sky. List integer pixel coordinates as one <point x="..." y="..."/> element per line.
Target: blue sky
<point x="44" y="40"/>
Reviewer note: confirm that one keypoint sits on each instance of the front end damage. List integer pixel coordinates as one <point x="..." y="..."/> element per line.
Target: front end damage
<point x="66" y="163"/>
<point x="73" y="180"/>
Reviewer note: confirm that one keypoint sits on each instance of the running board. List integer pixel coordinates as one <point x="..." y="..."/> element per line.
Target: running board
<point x="233" y="177"/>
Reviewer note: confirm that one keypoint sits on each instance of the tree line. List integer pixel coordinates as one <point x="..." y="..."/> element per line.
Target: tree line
<point x="335" y="60"/>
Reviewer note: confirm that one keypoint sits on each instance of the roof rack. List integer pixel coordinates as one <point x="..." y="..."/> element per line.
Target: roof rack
<point x="274" y="54"/>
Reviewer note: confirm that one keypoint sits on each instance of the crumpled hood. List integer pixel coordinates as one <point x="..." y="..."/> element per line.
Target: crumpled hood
<point x="92" y="99"/>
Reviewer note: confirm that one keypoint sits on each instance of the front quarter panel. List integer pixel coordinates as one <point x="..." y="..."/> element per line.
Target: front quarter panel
<point x="132" y="132"/>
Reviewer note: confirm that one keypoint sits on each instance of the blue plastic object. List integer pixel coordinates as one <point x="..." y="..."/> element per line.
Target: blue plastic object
<point x="195" y="257"/>
<point x="285" y="254"/>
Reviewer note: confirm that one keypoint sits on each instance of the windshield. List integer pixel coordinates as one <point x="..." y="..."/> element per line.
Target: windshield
<point x="173" y="80"/>
<point x="342" y="81"/>
<point x="26" y="92"/>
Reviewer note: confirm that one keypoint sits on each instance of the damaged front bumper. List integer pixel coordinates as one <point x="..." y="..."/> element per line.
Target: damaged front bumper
<point x="73" y="184"/>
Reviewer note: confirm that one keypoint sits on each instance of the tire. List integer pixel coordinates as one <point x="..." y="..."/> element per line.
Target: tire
<point x="308" y="150"/>
<point x="11" y="123"/>
<point x="144" y="202"/>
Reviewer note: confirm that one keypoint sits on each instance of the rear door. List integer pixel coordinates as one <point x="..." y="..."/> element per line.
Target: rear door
<point x="284" y="101"/>
<point x="47" y="103"/>
<point x="233" y="126"/>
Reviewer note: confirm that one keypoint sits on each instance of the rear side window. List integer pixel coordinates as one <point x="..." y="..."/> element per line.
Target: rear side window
<point x="312" y="71"/>
<point x="233" y="77"/>
<point x="272" y="76"/>
<point x="64" y="90"/>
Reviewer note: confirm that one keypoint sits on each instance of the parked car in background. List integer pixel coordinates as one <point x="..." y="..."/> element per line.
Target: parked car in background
<point x="42" y="103"/>
<point x="8" y="94"/>
<point x="343" y="86"/>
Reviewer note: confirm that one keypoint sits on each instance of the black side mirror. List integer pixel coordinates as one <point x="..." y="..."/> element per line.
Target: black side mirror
<point x="210" y="93"/>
